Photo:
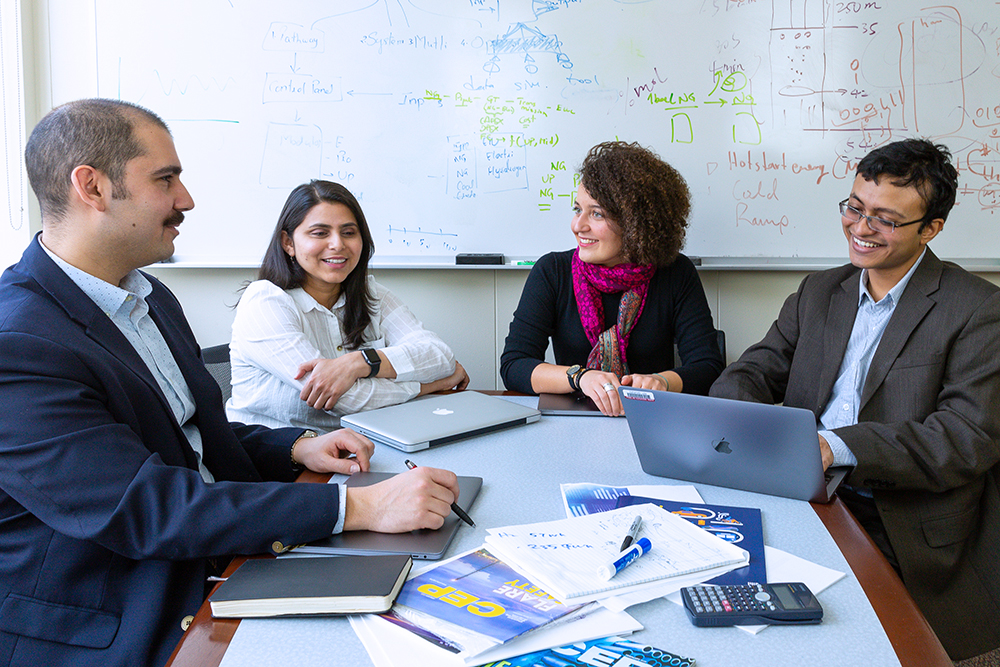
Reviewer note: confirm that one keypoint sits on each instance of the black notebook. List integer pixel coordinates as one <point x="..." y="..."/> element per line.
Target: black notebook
<point x="311" y="586"/>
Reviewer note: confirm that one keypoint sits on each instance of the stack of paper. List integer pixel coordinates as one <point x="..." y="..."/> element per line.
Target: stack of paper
<point x="564" y="556"/>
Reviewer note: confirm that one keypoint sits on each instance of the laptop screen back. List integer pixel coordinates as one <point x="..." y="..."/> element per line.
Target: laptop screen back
<point x="736" y="444"/>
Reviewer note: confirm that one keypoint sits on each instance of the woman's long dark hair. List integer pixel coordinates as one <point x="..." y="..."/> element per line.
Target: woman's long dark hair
<point x="286" y="273"/>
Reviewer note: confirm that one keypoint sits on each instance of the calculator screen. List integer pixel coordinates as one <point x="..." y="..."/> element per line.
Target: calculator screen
<point x="788" y="601"/>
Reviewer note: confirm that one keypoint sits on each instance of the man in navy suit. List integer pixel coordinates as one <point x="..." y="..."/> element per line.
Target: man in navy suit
<point x="120" y="478"/>
<point x="898" y="356"/>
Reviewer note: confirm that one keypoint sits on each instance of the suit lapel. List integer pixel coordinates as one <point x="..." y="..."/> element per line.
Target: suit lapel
<point x="96" y="324"/>
<point x="842" y="311"/>
<point x="913" y="306"/>
<point x="225" y="458"/>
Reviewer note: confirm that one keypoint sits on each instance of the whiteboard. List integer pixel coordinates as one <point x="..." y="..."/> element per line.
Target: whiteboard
<point x="459" y="124"/>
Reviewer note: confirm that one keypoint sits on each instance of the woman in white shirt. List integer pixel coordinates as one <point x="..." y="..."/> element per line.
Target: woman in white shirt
<point x="315" y="337"/>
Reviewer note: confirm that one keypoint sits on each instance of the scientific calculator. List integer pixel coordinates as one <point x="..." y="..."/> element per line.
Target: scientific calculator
<point x="751" y="604"/>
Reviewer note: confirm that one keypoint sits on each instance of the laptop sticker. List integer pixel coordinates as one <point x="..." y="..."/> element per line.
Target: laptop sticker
<point x="638" y="395"/>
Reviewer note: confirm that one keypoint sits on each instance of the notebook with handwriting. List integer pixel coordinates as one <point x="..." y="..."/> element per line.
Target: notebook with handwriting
<point x="564" y="556"/>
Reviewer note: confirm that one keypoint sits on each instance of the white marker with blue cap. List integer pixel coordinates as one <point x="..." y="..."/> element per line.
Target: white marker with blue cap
<point x="625" y="558"/>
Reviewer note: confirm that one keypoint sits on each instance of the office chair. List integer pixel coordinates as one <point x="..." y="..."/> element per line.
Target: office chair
<point x="216" y="360"/>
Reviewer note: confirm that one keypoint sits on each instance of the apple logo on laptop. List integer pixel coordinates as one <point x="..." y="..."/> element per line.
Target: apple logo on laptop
<point x="444" y="411"/>
<point x="722" y="446"/>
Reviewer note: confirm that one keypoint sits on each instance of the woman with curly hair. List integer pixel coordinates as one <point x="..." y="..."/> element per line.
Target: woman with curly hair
<point x="315" y="337"/>
<point x="614" y="306"/>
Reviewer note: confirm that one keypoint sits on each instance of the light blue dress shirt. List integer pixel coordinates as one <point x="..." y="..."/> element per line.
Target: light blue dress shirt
<point x="126" y="306"/>
<point x="845" y="399"/>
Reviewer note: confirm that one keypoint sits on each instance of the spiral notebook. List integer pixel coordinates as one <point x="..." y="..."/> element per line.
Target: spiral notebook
<point x="564" y="556"/>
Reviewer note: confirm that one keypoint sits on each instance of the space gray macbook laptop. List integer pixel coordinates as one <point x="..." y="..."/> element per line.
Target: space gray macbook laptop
<point x="768" y="449"/>
<point x="437" y="419"/>
<point x="569" y="405"/>
<point x="420" y="544"/>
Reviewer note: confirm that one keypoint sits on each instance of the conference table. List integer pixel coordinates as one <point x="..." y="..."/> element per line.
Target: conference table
<point x="870" y="619"/>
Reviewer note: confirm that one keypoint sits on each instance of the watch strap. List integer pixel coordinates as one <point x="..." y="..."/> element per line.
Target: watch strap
<point x="571" y="373"/>
<point x="374" y="361"/>
<point x="296" y="466"/>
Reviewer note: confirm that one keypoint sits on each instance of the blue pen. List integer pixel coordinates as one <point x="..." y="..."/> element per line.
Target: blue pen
<point x="625" y="558"/>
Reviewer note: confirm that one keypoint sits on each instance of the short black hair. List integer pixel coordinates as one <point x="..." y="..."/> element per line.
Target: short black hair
<point x="919" y="163"/>
<point x="96" y="132"/>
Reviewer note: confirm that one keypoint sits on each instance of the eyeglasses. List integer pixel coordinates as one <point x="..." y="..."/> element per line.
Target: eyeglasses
<point x="877" y="225"/>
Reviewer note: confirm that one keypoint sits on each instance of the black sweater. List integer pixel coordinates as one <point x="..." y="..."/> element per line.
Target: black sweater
<point x="675" y="309"/>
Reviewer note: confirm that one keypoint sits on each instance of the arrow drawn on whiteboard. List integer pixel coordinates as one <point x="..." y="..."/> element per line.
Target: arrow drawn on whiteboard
<point x="353" y="93"/>
<point x="295" y="63"/>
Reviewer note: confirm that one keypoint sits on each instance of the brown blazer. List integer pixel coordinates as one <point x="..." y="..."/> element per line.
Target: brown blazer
<point x="928" y="434"/>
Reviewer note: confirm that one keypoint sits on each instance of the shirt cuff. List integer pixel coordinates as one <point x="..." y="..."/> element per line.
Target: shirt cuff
<point x="842" y="455"/>
<point x="339" y="528"/>
<point x="400" y="361"/>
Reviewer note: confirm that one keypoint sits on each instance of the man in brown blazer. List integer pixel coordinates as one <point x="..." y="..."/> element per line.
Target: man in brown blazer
<point x="898" y="355"/>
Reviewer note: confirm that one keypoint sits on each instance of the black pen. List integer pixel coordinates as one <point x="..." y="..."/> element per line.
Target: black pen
<point x="454" y="506"/>
<point x="632" y="533"/>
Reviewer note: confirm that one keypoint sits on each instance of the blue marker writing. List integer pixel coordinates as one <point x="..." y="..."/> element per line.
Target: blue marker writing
<point x="625" y="558"/>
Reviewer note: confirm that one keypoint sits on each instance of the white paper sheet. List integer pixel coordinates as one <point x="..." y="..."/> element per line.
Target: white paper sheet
<point x="785" y="567"/>
<point x="391" y="646"/>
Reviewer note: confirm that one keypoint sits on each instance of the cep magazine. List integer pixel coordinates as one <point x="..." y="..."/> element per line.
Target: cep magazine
<point x="472" y="603"/>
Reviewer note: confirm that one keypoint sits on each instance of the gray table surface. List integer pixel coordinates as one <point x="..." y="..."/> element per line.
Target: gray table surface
<point x="522" y="469"/>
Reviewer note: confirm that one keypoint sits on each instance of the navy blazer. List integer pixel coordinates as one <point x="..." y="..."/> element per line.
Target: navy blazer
<point x="928" y="433"/>
<point x="105" y="521"/>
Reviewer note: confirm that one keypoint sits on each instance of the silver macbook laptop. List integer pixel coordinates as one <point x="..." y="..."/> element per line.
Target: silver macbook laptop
<point x="575" y="405"/>
<point x="420" y="544"/>
<point x="437" y="419"/>
<point x="751" y="446"/>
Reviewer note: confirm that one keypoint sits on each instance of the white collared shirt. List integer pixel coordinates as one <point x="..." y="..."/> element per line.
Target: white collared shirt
<point x="126" y="306"/>
<point x="869" y="325"/>
<point x="275" y="331"/>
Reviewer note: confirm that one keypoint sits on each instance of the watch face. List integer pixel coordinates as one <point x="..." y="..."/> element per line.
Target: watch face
<point x="374" y="361"/>
<point x="573" y="370"/>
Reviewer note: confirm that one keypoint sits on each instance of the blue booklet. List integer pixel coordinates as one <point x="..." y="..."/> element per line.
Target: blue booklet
<point x="741" y="526"/>
<point x="608" y="651"/>
<point x="473" y="602"/>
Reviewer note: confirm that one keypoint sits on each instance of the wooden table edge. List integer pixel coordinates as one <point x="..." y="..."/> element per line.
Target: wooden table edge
<point x="908" y="631"/>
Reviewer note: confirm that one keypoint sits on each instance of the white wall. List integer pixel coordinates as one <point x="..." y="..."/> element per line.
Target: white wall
<point x="471" y="309"/>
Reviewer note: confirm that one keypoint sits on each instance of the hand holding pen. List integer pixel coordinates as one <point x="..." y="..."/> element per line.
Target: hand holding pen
<point x="454" y="506"/>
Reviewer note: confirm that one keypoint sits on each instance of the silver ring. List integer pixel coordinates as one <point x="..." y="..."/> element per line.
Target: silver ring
<point x="608" y="387"/>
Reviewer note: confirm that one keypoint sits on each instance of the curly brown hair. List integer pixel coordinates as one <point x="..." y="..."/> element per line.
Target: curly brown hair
<point x="646" y="199"/>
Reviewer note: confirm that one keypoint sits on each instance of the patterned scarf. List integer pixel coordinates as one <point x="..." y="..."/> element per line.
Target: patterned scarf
<point x="589" y="280"/>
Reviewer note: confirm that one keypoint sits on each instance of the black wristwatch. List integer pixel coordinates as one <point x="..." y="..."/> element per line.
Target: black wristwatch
<point x="574" y="373"/>
<point x="374" y="361"/>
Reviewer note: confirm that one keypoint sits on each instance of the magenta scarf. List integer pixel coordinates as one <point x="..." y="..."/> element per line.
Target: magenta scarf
<point x="589" y="280"/>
